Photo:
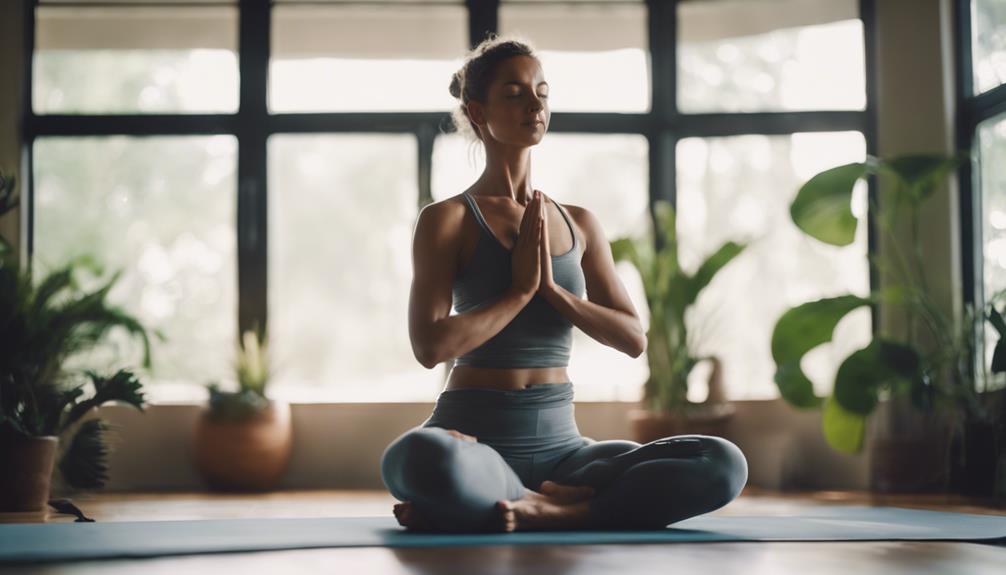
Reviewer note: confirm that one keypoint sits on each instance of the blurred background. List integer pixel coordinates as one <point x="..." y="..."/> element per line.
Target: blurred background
<point x="263" y="162"/>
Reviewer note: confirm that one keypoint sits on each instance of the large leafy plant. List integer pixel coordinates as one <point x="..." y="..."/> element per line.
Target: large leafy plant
<point x="670" y="293"/>
<point x="42" y="324"/>
<point x="937" y="376"/>
<point x="252" y="370"/>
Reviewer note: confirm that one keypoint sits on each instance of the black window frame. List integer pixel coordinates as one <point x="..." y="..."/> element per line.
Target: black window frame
<point x="971" y="110"/>
<point x="663" y="126"/>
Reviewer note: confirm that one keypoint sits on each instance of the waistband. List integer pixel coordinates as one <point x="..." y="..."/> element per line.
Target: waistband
<point x="534" y="396"/>
<point x="535" y="419"/>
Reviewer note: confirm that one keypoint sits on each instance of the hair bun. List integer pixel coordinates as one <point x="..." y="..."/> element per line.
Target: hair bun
<point x="456" y="85"/>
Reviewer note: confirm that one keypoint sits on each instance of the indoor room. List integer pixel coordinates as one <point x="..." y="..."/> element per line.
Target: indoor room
<point x="503" y="286"/>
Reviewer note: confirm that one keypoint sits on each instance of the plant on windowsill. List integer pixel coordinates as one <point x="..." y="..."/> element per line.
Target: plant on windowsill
<point x="243" y="438"/>
<point x="936" y="378"/>
<point x="46" y="408"/>
<point x="670" y="294"/>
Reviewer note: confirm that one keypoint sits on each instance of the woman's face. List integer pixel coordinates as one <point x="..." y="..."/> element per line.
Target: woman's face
<point x="517" y="110"/>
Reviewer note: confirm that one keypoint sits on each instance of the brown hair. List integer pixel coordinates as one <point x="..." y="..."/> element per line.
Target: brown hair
<point x="472" y="81"/>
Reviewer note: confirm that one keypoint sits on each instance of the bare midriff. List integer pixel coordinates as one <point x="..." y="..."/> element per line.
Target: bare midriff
<point x="467" y="376"/>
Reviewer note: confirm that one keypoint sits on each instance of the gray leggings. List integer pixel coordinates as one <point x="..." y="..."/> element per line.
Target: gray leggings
<point x="527" y="436"/>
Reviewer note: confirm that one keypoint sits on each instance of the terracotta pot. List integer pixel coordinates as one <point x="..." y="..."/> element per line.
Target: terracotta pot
<point x="26" y="472"/>
<point x="649" y="425"/>
<point x="246" y="455"/>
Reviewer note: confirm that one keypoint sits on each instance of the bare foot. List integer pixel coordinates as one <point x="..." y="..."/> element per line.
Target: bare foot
<point x="560" y="507"/>
<point x="409" y="517"/>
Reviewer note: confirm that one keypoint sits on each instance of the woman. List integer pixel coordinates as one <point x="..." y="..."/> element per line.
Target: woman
<point x="501" y="451"/>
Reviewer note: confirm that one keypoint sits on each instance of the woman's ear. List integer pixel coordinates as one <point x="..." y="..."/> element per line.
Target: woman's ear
<point x="477" y="113"/>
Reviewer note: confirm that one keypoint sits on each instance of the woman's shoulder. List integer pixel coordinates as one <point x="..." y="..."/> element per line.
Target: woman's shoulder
<point x="445" y="211"/>
<point x="585" y="223"/>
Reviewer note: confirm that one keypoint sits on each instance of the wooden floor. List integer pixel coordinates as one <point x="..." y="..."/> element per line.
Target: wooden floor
<point x="749" y="558"/>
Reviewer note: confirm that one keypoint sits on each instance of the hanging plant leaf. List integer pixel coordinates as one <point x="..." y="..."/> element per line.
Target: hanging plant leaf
<point x="842" y="429"/>
<point x="823" y="205"/>
<point x="800" y="330"/>
<point x="863" y="374"/>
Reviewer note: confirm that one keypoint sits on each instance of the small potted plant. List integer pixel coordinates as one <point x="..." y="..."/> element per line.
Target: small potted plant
<point x="44" y="406"/>
<point x="670" y="293"/>
<point x="243" y="439"/>
<point x="934" y="377"/>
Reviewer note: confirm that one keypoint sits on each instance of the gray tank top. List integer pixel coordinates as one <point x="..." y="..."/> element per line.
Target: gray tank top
<point x="539" y="336"/>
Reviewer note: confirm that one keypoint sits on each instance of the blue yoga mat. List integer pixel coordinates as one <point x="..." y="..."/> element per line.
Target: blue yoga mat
<point x="72" y="541"/>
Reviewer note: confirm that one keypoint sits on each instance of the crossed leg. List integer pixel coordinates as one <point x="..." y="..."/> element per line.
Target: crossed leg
<point x="456" y="485"/>
<point x="653" y="485"/>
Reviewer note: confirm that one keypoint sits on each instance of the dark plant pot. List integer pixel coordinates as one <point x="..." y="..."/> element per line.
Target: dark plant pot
<point x="26" y="472"/>
<point x="649" y="425"/>
<point x="908" y="464"/>
<point x="246" y="455"/>
<point x="974" y="457"/>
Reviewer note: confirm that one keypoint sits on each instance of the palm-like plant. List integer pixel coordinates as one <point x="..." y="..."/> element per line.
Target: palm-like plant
<point x="670" y="292"/>
<point x="42" y="325"/>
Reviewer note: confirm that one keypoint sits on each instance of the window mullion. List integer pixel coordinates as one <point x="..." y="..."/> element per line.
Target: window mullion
<point x="252" y="132"/>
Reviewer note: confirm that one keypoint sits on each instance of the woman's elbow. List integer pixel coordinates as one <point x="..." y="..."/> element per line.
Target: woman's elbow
<point x="426" y="357"/>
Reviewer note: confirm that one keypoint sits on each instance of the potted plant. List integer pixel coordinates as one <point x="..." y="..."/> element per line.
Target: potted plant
<point x="44" y="404"/>
<point x="243" y="439"/>
<point x="934" y="377"/>
<point x="670" y="293"/>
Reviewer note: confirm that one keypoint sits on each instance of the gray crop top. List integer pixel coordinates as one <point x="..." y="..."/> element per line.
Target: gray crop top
<point x="538" y="336"/>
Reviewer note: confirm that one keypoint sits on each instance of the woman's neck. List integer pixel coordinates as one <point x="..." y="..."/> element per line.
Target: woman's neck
<point x="508" y="173"/>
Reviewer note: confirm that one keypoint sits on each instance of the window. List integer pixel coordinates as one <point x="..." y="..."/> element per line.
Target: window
<point x="123" y="58"/>
<point x="991" y="183"/>
<point x="981" y="57"/>
<point x="346" y="58"/>
<point x="329" y="132"/>
<point x="740" y="188"/>
<point x="989" y="44"/>
<point x="770" y="55"/>
<point x="160" y="210"/>
<point x="340" y="265"/>
<point x="594" y="53"/>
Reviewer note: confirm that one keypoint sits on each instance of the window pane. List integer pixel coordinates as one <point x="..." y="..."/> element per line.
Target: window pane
<point x="341" y="214"/>
<point x="991" y="182"/>
<point x="989" y="43"/>
<point x="365" y="58"/>
<point x="770" y="55"/>
<point x="607" y="174"/>
<point x="162" y="211"/>
<point x="136" y="59"/>
<point x="595" y="56"/>
<point x="740" y="188"/>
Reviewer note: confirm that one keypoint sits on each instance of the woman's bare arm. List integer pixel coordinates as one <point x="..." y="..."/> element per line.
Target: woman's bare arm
<point x="607" y="315"/>
<point x="436" y="335"/>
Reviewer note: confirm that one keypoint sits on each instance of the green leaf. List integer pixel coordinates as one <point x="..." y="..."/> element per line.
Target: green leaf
<point x="881" y="364"/>
<point x="800" y="330"/>
<point x="822" y="208"/>
<point x="996" y="319"/>
<point x="843" y="430"/>
<point x="121" y="387"/>
<point x="84" y="465"/>
<point x="710" y="267"/>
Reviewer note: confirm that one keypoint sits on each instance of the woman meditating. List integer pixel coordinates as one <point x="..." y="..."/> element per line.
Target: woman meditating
<point x="501" y="450"/>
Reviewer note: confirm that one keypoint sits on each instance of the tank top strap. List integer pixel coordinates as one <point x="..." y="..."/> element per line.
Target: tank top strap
<point x="478" y="213"/>
<point x="565" y="216"/>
